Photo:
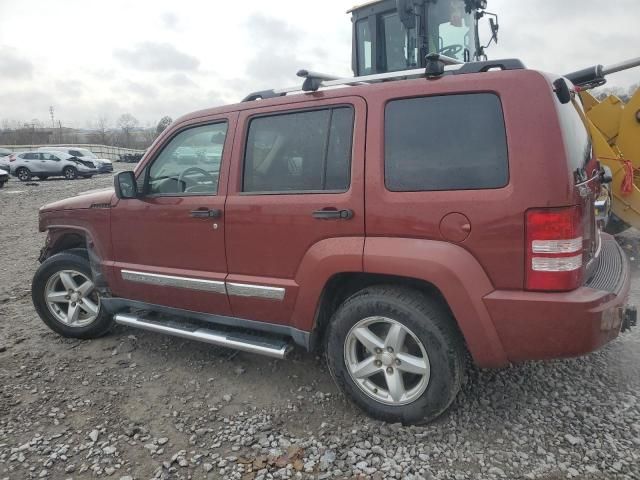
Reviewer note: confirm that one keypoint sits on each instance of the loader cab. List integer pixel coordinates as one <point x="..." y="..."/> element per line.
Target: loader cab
<point x="393" y="35"/>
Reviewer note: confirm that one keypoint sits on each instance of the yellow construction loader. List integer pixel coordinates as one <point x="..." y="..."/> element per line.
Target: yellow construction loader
<point x="615" y="129"/>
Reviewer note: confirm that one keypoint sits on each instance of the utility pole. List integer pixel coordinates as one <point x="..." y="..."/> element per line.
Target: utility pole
<point x="53" y="121"/>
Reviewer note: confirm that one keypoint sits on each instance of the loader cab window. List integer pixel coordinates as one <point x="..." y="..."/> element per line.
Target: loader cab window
<point x="395" y="47"/>
<point x="365" y="47"/>
<point x="453" y="32"/>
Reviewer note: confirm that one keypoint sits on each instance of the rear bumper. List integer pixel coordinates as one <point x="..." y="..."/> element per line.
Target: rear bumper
<point x="536" y="326"/>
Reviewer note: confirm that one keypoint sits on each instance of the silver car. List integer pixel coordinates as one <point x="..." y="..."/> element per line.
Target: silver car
<point x="102" y="164"/>
<point x="27" y="165"/>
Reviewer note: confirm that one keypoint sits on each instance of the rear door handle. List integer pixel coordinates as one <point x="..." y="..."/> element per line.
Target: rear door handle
<point x="333" y="214"/>
<point x="206" y="213"/>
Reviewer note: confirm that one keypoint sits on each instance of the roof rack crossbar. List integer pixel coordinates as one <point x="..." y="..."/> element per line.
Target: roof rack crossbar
<point x="313" y="81"/>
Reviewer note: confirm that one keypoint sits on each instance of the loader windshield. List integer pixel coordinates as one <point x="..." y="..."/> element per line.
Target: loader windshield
<point x="451" y="30"/>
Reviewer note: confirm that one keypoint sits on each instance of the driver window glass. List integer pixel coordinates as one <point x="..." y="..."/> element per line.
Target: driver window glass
<point x="190" y="163"/>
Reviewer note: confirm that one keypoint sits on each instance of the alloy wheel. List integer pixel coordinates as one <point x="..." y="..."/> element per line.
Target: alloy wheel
<point x="72" y="298"/>
<point x="387" y="361"/>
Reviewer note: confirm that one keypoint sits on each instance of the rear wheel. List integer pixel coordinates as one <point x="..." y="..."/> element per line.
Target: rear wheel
<point x="65" y="297"/>
<point x="23" y="174"/>
<point x="2" y="184"/>
<point x="70" y="173"/>
<point x="396" y="353"/>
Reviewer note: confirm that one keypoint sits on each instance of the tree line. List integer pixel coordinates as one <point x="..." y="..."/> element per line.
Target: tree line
<point x="125" y="132"/>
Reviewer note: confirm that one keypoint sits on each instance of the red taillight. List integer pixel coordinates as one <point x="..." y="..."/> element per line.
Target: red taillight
<point x="554" y="249"/>
<point x="12" y="158"/>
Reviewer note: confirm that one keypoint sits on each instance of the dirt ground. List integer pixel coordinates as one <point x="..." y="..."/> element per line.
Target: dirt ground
<point x="136" y="405"/>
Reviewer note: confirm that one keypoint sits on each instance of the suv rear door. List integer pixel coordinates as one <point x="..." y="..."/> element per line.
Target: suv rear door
<point x="169" y="243"/>
<point x="298" y="181"/>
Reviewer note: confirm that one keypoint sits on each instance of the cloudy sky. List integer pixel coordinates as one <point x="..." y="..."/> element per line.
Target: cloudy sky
<point x="91" y="58"/>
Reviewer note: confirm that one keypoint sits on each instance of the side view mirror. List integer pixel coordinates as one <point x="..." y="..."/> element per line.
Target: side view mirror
<point x="126" y="185"/>
<point x="494" y="29"/>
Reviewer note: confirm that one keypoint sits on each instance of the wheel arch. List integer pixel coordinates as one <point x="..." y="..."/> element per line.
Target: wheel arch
<point x="441" y="270"/>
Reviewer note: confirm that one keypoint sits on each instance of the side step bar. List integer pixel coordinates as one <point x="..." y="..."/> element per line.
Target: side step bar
<point x="271" y="347"/>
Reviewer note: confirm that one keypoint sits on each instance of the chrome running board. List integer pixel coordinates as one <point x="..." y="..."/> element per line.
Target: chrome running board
<point x="253" y="343"/>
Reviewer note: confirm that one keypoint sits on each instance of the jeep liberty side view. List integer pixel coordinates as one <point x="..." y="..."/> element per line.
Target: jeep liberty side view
<point x="398" y="225"/>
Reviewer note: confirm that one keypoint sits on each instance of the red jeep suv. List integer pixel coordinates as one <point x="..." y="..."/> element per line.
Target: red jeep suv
<point x="400" y="222"/>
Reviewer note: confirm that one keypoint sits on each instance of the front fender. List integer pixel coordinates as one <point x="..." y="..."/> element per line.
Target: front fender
<point x="93" y="224"/>
<point x="459" y="277"/>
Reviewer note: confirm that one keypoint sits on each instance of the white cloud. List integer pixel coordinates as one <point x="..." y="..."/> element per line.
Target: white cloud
<point x="110" y="57"/>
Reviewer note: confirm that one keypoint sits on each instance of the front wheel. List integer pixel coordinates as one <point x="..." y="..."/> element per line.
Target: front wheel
<point x="65" y="297"/>
<point x="70" y="173"/>
<point x="23" y="174"/>
<point x="396" y="353"/>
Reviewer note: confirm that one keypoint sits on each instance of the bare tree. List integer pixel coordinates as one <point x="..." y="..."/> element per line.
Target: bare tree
<point x="102" y="128"/>
<point x="163" y="124"/>
<point x="126" y="123"/>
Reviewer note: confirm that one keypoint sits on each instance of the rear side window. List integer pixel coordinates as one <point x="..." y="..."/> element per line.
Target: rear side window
<point x="299" y="152"/>
<point x="576" y="136"/>
<point x="451" y="142"/>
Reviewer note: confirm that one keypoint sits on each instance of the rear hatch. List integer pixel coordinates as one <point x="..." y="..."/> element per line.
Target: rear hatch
<point x="585" y="171"/>
<point x="563" y="242"/>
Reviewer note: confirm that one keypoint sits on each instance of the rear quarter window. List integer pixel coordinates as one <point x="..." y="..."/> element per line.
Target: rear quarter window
<point x="449" y="142"/>
<point x="576" y="136"/>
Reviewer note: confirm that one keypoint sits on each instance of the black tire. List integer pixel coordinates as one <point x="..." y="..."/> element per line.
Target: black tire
<point x="430" y="322"/>
<point x="70" y="173"/>
<point x="2" y="184"/>
<point x="23" y="174"/>
<point x="71" y="260"/>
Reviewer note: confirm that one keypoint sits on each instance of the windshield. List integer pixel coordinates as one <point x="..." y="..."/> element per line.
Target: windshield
<point x="86" y="153"/>
<point x="451" y="30"/>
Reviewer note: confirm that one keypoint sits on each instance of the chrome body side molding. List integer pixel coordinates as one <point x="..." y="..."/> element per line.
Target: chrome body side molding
<point x="255" y="291"/>
<point x="173" y="281"/>
<point x="214" y="286"/>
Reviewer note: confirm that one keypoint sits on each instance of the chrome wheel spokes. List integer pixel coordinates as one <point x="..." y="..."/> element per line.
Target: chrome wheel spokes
<point x="387" y="361"/>
<point x="72" y="298"/>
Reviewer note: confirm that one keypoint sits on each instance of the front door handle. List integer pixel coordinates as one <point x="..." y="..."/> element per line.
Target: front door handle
<point x="333" y="214"/>
<point x="206" y="213"/>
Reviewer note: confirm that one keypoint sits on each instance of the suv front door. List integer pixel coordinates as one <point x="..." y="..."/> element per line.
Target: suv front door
<point x="299" y="168"/>
<point x="169" y="243"/>
<point x="50" y="164"/>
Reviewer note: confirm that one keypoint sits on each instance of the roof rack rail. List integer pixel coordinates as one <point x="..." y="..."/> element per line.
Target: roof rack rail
<point x="313" y="81"/>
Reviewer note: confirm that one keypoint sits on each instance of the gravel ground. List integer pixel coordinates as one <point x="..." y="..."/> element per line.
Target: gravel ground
<point x="137" y="405"/>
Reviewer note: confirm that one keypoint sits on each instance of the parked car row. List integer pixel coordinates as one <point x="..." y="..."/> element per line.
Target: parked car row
<point x="45" y="162"/>
<point x="27" y="165"/>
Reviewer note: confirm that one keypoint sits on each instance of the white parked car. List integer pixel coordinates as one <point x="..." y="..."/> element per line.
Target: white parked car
<point x="102" y="164"/>
<point x="27" y="165"/>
